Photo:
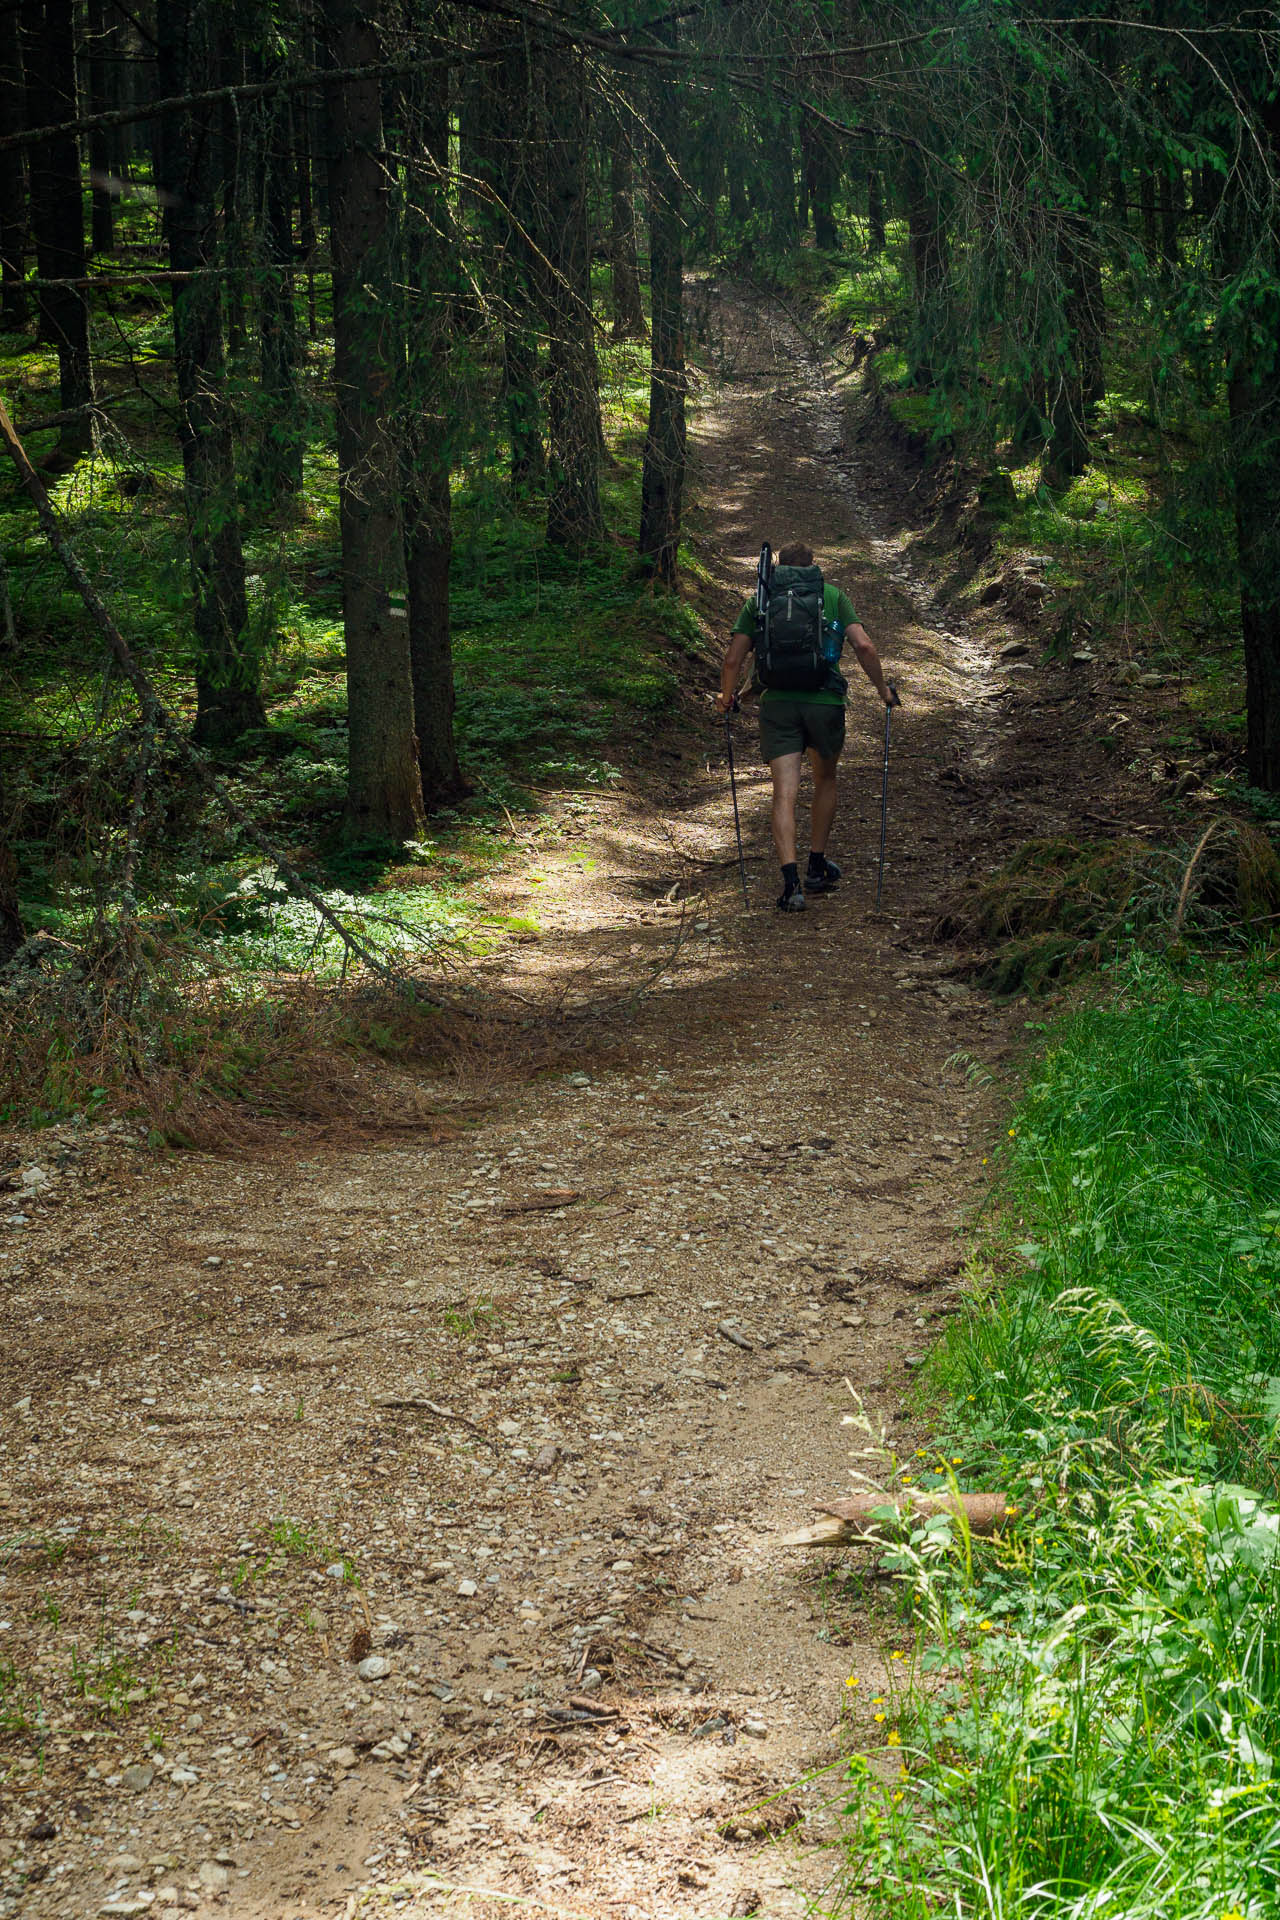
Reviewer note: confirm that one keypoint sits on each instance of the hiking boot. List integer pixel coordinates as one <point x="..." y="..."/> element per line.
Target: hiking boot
<point x="791" y="899"/>
<point x="822" y="875"/>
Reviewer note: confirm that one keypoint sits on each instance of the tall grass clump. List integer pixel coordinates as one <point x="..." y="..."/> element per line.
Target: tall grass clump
<point x="1090" y="1724"/>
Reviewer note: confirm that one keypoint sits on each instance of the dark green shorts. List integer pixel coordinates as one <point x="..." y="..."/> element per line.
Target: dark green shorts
<point x="792" y="723"/>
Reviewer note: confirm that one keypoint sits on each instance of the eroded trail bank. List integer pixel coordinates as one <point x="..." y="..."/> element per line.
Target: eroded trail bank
<point x="334" y="1479"/>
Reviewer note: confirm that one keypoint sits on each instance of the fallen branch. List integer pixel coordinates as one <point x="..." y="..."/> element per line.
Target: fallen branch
<point x="67" y="416"/>
<point x="154" y="708"/>
<point x="1184" y="892"/>
<point x="849" y="1522"/>
<point x="441" y="1413"/>
<point x="542" y="1202"/>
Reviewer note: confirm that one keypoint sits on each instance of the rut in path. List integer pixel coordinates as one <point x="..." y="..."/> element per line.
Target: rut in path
<point x="395" y="1338"/>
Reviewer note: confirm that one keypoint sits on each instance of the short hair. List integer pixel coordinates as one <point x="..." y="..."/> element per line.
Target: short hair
<point x="795" y="555"/>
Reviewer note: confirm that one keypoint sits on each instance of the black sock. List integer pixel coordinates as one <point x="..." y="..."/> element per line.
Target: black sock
<point x="817" y="863"/>
<point x="790" y="877"/>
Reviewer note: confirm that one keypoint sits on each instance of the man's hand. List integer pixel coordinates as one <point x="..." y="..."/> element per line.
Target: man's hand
<point x="730" y="670"/>
<point x="889" y="694"/>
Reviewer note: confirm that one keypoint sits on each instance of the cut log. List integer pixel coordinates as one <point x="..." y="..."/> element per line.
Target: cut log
<point x="848" y="1521"/>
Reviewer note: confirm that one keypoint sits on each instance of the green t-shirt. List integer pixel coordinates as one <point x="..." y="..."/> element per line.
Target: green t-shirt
<point x="835" y="606"/>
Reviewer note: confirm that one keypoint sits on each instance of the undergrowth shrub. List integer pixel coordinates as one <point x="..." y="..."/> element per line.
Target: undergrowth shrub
<point x="1091" y="1722"/>
<point x="216" y="1060"/>
<point x="1062" y="906"/>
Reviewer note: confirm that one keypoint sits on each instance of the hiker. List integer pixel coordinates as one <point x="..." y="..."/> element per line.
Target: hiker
<point x="797" y="644"/>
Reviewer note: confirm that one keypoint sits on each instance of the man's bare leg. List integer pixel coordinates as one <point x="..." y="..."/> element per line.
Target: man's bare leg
<point x="824" y="804"/>
<point x="786" y="791"/>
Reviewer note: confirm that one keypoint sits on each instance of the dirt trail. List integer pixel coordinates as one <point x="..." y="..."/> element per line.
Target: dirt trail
<point x="238" y="1376"/>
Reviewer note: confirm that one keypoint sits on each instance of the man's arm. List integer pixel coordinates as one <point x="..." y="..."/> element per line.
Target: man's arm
<point x="735" y="655"/>
<point x="868" y="659"/>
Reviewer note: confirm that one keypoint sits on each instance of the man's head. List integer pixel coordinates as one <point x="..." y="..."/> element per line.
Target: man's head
<point x="795" y="555"/>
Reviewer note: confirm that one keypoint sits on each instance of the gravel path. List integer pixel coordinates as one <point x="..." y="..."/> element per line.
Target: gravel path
<point x="333" y="1478"/>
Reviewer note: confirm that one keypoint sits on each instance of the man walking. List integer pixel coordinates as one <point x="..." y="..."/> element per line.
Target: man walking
<point x="806" y="712"/>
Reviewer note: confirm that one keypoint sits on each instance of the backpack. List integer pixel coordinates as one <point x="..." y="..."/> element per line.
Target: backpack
<point x="789" y="652"/>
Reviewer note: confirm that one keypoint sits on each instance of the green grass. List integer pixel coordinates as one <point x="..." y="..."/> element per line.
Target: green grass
<point x="1089" y="1722"/>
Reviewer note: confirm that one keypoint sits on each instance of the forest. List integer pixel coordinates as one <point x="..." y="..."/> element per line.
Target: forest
<point x="393" y="400"/>
<point x="326" y="338"/>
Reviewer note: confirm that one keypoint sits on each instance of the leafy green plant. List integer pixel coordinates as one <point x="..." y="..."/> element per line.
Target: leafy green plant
<point x="1090" y="1718"/>
<point x="106" y="1678"/>
<point x="294" y="1539"/>
<point x="20" y="1706"/>
<point x="474" y="1318"/>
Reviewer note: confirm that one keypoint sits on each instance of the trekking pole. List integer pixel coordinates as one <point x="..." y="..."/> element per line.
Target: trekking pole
<point x="889" y="705"/>
<point x="733" y="788"/>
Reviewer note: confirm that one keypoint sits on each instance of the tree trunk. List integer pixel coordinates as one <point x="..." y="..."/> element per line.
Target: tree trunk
<point x="1077" y="383"/>
<point x="930" y="341"/>
<point x="520" y="395"/>
<point x="1254" y="403"/>
<point x="875" y="209"/>
<point x="574" y="519"/>
<point x="739" y="205"/>
<point x="57" y="213"/>
<point x="428" y="554"/>
<point x="1173" y="200"/>
<point x="11" y="933"/>
<point x="510" y="219"/>
<point x="433" y="280"/>
<point x="628" y="311"/>
<point x="1030" y="410"/>
<point x="102" y="93"/>
<point x="384" y="791"/>
<point x="1147" y="202"/>
<point x="1253" y="397"/>
<point x="228" y="703"/>
<point x="822" y="178"/>
<point x="776" y="194"/>
<point x="278" y="455"/>
<point x="13" y="178"/>
<point x="231" y="72"/>
<point x="662" y="477"/>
